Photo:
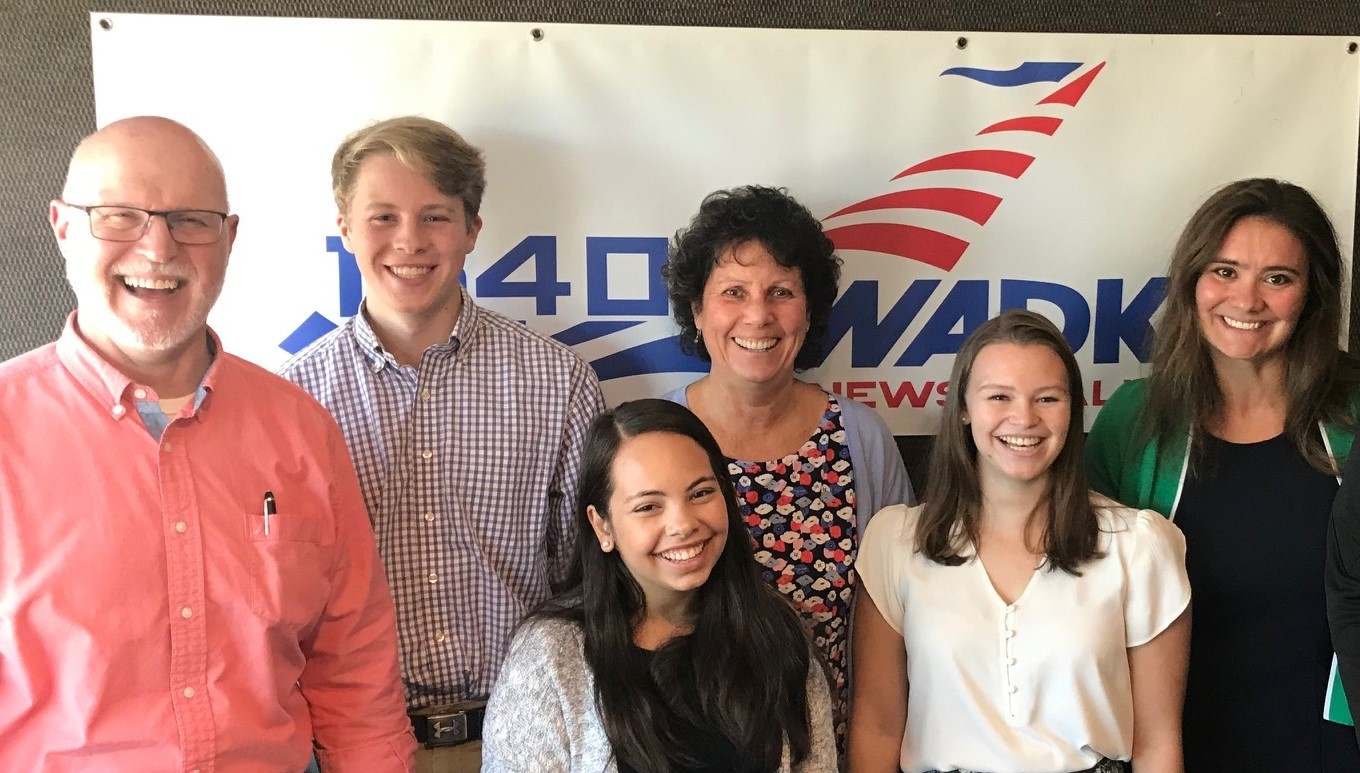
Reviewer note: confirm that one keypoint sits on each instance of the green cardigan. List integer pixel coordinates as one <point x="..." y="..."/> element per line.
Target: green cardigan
<point x="1150" y="475"/>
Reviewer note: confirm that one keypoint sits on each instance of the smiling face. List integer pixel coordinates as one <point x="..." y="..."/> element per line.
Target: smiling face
<point x="1019" y="407"/>
<point x="145" y="300"/>
<point x="667" y="516"/>
<point x="410" y="241"/>
<point x="754" y="315"/>
<point x="1248" y="300"/>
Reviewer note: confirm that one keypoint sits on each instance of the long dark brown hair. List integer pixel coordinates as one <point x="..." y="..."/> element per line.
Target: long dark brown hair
<point x="1183" y="389"/>
<point x="744" y="669"/>
<point x="951" y="520"/>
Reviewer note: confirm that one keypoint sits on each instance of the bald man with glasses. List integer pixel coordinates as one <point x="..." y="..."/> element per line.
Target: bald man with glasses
<point x="188" y="577"/>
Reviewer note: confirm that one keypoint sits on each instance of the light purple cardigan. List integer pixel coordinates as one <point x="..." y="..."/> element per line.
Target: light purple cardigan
<point x="879" y="474"/>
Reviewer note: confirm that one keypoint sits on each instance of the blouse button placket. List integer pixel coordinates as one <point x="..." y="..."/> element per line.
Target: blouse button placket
<point x="1008" y="658"/>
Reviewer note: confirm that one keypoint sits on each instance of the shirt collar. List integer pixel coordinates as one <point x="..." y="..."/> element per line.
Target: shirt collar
<point x="464" y="330"/>
<point x="109" y="384"/>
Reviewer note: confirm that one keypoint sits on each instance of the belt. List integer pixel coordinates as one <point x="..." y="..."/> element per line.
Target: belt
<point x="449" y="724"/>
<point x="1103" y="766"/>
<point x="1106" y="765"/>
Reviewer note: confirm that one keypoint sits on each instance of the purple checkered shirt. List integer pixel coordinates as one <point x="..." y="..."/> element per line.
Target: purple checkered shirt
<point x="469" y="467"/>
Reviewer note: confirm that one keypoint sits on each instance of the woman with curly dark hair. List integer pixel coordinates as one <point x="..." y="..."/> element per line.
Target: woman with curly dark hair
<point x="752" y="280"/>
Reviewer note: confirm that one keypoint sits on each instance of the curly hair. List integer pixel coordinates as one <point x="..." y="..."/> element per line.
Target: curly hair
<point x="785" y="228"/>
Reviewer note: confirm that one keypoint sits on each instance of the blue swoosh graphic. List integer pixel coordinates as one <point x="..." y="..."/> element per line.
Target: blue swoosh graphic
<point x="660" y="356"/>
<point x="1020" y="75"/>
<point x="311" y="329"/>
<point x="592" y="329"/>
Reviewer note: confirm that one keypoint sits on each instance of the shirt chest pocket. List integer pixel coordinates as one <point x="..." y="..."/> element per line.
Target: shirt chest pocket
<point x="289" y="568"/>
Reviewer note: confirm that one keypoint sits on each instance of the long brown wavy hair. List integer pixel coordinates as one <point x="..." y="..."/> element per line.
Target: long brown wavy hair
<point x="1183" y="389"/>
<point x="951" y="520"/>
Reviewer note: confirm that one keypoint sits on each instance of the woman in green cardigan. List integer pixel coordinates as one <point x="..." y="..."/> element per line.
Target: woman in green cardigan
<point x="1239" y="435"/>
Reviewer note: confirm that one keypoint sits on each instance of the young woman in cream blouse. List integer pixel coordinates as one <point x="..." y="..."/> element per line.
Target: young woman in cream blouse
<point x="1017" y="623"/>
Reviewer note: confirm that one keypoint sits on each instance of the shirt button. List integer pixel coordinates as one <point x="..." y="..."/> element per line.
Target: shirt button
<point x="1010" y="661"/>
<point x="118" y="410"/>
<point x="140" y="394"/>
<point x="1012" y="689"/>
<point x="1010" y="634"/>
<point x="434" y="578"/>
<point x="165" y="446"/>
<point x="430" y="516"/>
<point x="425" y="395"/>
<point x="181" y="527"/>
<point x="1010" y="608"/>
<point x="427" y="454"/>
<point x="439" y="637"/>
<point x="188" y="692"/>
<point x="186" y="613"/>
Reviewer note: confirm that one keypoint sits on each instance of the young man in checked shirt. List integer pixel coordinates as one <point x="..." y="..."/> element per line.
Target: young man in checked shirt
<point x="466" y="428"/>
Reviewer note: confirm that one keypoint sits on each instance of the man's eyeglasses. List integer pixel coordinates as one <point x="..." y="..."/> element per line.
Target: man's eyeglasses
<point x="128" y="224"/>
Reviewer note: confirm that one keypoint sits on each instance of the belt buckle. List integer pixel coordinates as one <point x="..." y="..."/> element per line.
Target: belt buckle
<point x="447" y="729"/>
<point x="449" y="724"/>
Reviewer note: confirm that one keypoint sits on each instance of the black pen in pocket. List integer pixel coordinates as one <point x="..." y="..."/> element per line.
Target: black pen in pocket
<point x="269" y="510"/>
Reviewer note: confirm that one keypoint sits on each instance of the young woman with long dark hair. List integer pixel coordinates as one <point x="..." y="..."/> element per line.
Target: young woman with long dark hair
<point x="666" y="652"/>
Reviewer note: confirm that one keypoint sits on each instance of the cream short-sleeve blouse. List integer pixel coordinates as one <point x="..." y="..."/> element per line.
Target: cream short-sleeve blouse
<point x="1038" y="686"/>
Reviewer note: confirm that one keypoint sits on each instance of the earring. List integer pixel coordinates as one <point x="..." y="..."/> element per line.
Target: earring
<point x="698" y="336"/>
<point x="606" y="545"/>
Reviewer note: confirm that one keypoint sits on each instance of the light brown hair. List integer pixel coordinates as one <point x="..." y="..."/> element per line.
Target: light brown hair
<point x="951" y="521"/>
<point x="1183" y="388"/>
<point x="425" y="146"/>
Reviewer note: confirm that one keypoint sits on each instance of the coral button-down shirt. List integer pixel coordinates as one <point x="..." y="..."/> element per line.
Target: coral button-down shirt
<point x="147" y="622"/>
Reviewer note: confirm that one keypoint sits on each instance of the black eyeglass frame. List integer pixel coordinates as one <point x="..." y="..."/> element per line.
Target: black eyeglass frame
<point x="164" y="214"/>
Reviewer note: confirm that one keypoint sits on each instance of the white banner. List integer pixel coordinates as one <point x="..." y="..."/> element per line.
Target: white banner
<point x="958" y="174"/>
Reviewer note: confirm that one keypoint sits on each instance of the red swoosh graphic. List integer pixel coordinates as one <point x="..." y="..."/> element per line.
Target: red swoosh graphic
<point x="905" y="241"/>
<point x="1072" y="93"/>
<point x="1041" y="124"/>
<point x="974" y="205"/>
<point x="1003" y="162"/>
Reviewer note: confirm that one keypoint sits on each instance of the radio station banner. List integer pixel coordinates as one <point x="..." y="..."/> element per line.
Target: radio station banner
<point x="958" y="173"/>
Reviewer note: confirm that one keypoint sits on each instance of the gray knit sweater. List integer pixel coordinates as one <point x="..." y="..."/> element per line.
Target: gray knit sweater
<point x="542" y="716"/>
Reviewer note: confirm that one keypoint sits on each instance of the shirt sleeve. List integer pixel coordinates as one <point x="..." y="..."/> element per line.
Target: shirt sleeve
<point x="881" y="553"/>
<point x="1107" y="445"/>
<point x="1343" y="580"/>
<point x="894" y="486"/>
<point x="1158" y="589"/>
<point x="821" y="723"/>
<point x="585" y="403"/>
<point x="526" y="729"/>
<point x="352" y="681"/>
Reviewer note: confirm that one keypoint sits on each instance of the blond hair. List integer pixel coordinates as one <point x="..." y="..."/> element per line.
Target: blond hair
<point x="427" y="147"/>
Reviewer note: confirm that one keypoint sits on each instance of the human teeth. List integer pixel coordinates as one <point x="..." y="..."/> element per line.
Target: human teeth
<point x="1019" y="442"/>
<point x="1242" y="325"/>
<point x="146" y="283"/>
<point x="758" y="344"/>
<point x="410" y="272"/>
<point x="683" y="555"/>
